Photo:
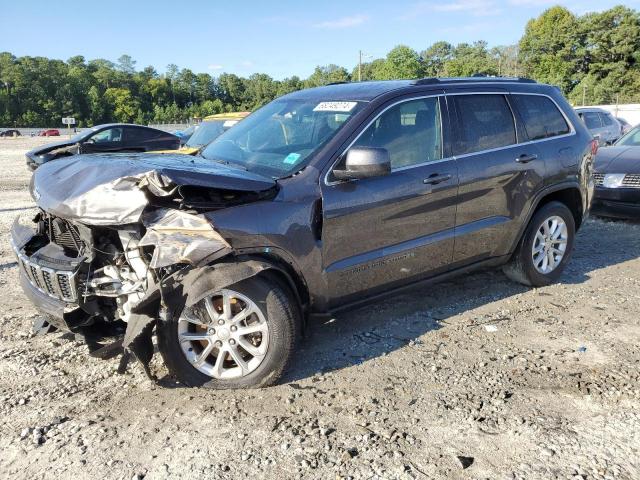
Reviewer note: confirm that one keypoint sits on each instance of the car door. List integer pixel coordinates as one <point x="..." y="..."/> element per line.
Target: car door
<point x="594" y="123"/>
<point x="610" y="127"/>
<point x="108" y="140"/>
<point x="497" y="176"/>
<point x="386" y="231"/>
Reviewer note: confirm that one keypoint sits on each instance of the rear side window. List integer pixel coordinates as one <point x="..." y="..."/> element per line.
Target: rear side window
<point x="606" y="119"/>
<point x="541" y="116"/>
<point x="138" y="134"/>
<point x="591" y="119"/>
<point x="485" y="122"/>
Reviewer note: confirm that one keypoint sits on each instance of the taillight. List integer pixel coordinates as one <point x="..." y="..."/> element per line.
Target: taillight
<point x="594" y="147"/>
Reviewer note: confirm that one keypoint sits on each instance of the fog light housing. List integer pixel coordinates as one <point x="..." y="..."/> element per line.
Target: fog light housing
<point x="613" y="180"/>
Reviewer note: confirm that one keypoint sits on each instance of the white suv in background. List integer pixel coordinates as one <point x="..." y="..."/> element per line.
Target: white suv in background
<point x="603" y="125"/>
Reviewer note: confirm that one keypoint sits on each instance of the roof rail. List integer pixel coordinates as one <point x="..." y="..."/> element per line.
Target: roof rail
<point x="476" y="77"/>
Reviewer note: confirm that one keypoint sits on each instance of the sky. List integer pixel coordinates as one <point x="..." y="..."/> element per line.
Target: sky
<point x="280" y="38"/>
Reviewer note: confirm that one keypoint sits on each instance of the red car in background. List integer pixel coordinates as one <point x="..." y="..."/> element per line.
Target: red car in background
<point x="52" y="132"/>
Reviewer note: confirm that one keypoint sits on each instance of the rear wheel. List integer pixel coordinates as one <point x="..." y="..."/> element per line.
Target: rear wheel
<point x="241" y="336"/>
<point x="545" y="248"/>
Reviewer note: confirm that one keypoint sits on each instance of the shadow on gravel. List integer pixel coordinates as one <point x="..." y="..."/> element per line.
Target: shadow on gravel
<point x="384" y="326"/>
<point x="8" y="265"/>
<point x="16" y="209"/>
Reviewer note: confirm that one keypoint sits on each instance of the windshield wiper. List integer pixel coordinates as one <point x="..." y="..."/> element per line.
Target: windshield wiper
<point x="228" y="163"/>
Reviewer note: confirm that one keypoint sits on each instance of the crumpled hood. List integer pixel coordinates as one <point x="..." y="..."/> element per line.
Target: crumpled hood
<point x="48" y="147"/>
<point x="621" y="159"/>
<point x="111" y="189"/>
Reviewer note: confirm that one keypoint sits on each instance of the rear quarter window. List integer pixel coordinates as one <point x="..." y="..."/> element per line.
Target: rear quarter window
<point x="541" y="116"/>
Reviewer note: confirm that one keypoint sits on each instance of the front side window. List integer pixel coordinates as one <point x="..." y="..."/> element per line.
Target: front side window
<point x="280" y="137"/>
<point x="106" y="136"/>
<point x="410" y="132"/>
<point x="541" y="116"/>
<point x="485" y="122"/>
<point x="591" y="120"/>
<point x="631" y="139"/>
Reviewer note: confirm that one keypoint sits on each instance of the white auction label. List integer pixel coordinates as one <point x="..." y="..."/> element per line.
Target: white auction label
<point x="335" y="106"/>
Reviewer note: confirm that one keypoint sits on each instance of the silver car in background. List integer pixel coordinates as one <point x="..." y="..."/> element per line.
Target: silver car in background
<point x="603" y="125"/>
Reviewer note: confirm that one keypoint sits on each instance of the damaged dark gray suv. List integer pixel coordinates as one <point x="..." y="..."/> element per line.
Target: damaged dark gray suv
<point x="323" y="199"/>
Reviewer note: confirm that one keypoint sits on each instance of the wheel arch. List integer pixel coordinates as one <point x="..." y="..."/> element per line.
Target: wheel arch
<point x="567" y="193"/>
<point x="285" y="272"/>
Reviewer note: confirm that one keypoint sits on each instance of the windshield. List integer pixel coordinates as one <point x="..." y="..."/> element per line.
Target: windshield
<point x="207" y="132"/>
<point x="277" y="139"/>
<point x="631" y="139"/>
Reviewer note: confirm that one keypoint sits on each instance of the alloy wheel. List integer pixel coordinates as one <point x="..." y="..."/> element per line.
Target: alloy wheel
<point x="549" y="244"/>
<point x="224" y="336"/>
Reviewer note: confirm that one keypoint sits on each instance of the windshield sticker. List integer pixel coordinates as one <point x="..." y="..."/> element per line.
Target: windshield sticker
<point x="292" y="158"/>
<point x="229" y="123"/>
<point x="335" y="106"/>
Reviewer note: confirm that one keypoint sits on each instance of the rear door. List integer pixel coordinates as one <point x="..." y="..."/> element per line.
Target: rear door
<point x="386" y="231"/>
<point x="497" y="176"/>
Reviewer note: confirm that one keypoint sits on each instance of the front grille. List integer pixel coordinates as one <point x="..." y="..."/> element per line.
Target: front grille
<point x="598" y="178"/>
<point x="59" y="284"/>
<point x="631" y="180"/>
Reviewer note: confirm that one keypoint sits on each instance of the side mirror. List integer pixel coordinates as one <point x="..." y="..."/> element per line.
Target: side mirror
<point x="365" y="162"/>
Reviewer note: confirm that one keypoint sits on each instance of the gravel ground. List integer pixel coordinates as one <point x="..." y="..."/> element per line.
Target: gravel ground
<point x="473" y="378"/>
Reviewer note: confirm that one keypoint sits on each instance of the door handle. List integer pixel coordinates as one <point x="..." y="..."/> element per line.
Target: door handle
<point x="526" y="158"/>
<point x="435" y="179"/>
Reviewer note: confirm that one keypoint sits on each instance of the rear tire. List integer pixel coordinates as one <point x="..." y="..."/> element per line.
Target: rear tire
<point x="276" y="322"/>
<point x="545" y="248"/>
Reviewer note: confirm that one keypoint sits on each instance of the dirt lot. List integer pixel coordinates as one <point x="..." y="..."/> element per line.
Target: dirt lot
<point x="474" y="378"/>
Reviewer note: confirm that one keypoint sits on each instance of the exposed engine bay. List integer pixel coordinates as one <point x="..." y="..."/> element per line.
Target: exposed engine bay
<point x="115" y="236"/>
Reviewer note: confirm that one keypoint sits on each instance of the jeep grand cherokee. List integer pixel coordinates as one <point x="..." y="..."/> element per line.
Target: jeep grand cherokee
<point x="320" y="200"/>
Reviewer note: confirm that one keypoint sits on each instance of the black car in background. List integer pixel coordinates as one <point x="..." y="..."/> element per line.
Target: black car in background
<point x="107" y="138"/>
<point x="617" y="178"/>
<point x="10" y="133"/>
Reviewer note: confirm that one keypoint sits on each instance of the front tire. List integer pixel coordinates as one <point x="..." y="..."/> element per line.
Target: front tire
<point x="545" y="248"/>
<point x="242" y="336"/>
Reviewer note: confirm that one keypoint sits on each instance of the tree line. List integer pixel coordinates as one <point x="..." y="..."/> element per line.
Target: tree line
<point x="593" y="58"/>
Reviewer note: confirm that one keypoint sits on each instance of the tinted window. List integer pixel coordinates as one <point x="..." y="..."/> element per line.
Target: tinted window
<point x="106" y="136"/>
<point x="591" y="119"/>
<point x="139" y="134"/>
<point x="409" y="131"/>
<point x="606" y="119"/>
<point x="541" y="117"/>
<point x="484" y="122"/>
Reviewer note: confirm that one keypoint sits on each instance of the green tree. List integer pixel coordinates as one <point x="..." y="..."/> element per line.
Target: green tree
<point x="122" y="104"/>
<point x="470" y="59"/>
<point x="435" y="57"/>
<point x="323" y="75"/>
<point x="552" y="46"/>
<point x="401" y="63"/>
